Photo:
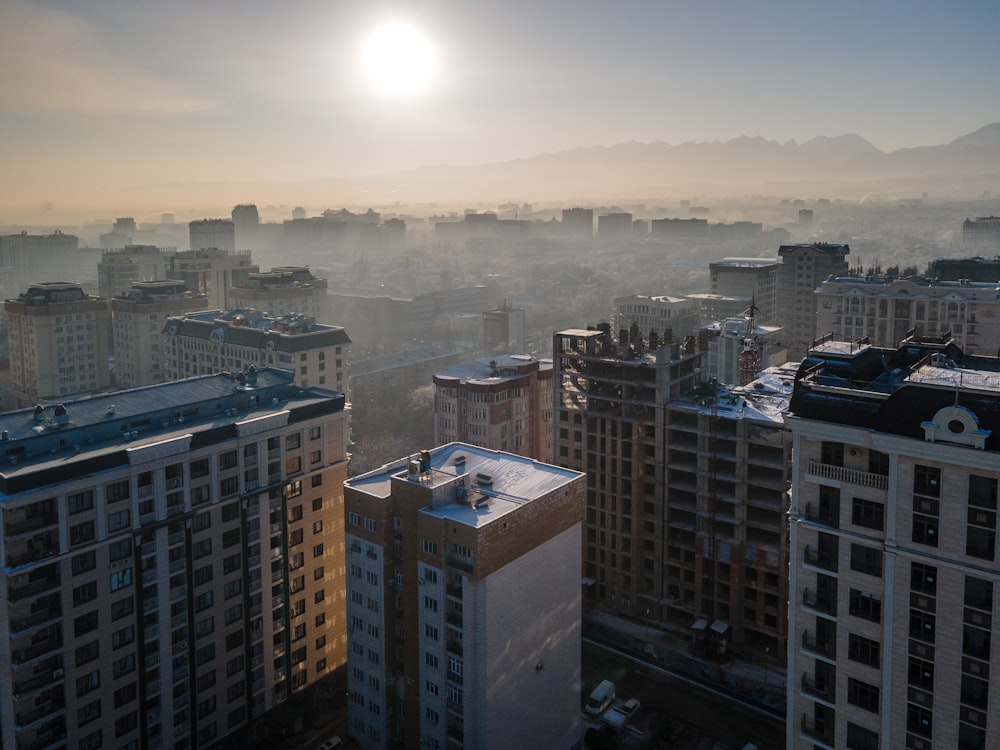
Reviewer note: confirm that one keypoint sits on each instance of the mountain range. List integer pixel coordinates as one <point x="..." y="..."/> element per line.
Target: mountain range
<point x="846" y="166"/>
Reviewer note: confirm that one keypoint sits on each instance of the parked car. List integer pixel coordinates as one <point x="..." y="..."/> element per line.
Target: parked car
<point x="331" y="743"/>
<point x="631" y="707"/>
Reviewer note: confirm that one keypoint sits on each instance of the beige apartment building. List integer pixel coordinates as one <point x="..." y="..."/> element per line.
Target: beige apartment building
<point x="137" y="318"/>
<point x="887" y="310"/>
<point x="119" y="270"/>
<point x="803" y="268"/>
<point x="678" y="315"/>
<point x="463" y="602"/>
<point x="215" y="341"/>
<point x="291" y="290"/>
<point x="213" y="271"/>
<point x="172" y="560"/>
<point x="58" y="343"/>
<point x="894" y="581"/>
<point x="501" y="403"/>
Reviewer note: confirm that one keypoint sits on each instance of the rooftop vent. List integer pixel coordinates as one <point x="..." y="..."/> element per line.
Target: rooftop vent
<point x="484" y="480"/>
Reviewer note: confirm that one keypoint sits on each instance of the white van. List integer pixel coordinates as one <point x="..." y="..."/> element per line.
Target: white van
<point x="601" y="698"/>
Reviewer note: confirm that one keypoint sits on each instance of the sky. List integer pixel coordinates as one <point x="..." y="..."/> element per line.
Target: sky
<point x="105" y="103"/>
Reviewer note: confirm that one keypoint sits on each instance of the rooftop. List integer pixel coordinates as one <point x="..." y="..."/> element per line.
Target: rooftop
<point x="493" y="370"/>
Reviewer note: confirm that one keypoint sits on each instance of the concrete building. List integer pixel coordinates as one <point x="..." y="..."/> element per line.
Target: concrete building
<point x="118" y="270"/>
<point x="213" y="272"/>
<point x="981" y="235"/>
<point x="803" y="268"/>
<point x="288" y="290"/>
<point x="28" y="258"/>
<point x="686" y="488"/>
<point x="173" y="560"/>
<point x="678" y="229"/>
<point x="615" y="226"/>
<point x="971" y="269"/>
<point x="455" y="639"/>
<point x="503" y="331"/>
<point x="501" y="403"/>
<point x="893" y="575"/>
<point x="887" y="310"/>
<point x="219" y="234"/>
<point x="137" y="319"/>
<point x="216" y="341"/>
<point x="58" y="343"/>
<point x="578" y="223"/>
<point x="752" y="279"/>
<point x="678" y="316"/>
<point x="246" y="222"/>
<point x="728" y="343"/>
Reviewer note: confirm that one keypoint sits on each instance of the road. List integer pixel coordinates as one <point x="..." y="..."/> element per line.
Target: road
<point x="708" y="717"/>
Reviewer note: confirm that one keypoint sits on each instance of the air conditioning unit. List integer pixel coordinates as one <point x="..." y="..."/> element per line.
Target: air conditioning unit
<point x="57" y="673"/>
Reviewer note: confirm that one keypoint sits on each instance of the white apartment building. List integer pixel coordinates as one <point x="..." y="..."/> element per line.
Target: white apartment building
<point x="887" y="310"/>
<point x="501" y="403"/>
<point x="58" y="343"/>
<point x="291" y="290"/>
<point x="118" y="270"/>
<point x="893" y="590"/>
<point x="680" y="315"/>
<point x="214" y="341"/>
<point x="451" y="624"/>
<point x="172" y="560"/>
<point x="137" y="318"/>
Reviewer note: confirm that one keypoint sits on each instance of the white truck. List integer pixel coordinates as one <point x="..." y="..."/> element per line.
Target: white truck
<point x="601" y="697"/>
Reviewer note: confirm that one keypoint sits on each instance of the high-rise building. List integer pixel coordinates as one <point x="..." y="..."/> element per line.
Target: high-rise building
<point x="137" y="319"/>
<point x="614" y="226"/>
<point x="578" y="223"/>
<point x="118" y="270"/>
<point x="213" y="272"/>
<point x="676" y="316"/>
<point x="501" y="403"/>
<point x="58" y="343"/>
<point x="503" y="331"/>
<point x="887" y="310"/>
<point x="733" y="347"/>
<point x="246" y="222"/>
<point x="803" y="268"/>
<point x="173" y="560"/>
<point x="290" y="290"/>
<point x="893" y="591"/>
<point x="752" y="279"/>
<point x="686" y="488"/>
<point x="219" y="234"/>
<point x="215" y="341"/>
<point x="450" y="621"/>
<point x="981" y="235"/>
<point x="27" y="259"/>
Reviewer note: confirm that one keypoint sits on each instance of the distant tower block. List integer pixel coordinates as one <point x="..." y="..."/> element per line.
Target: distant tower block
<point x="503" y="330"/>
<point x="245" y="223"/>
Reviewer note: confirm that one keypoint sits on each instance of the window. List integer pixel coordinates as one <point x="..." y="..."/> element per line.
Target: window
<point x="202" y="575"/>
<point x="353" y="518"/>
<point x="230" y="512"/>
<point x="120" y="550"/>
<point x="201" y="522"/>
<point x="978" y="593"/>
<point x="227" y="460"/>
<point x="88" y="682"/>
<point x="85" y="624"/>
<point x="920" y="673"/>
<point x="80" y="501"/>
<point x="319" y="596"/>
<point x="230" y="538"/>
<point x="85" y="593"/>
<point x="921" y="626"/>
<point x="926" y="515"/>
<point x="865" y="605"/>
<point x="866" y="560"/>
<point x="123" y="666"/>
<point x="88" y="713"/>
<point x="204" y="600"/>
<point x="918" y="720"/>
<point x="121" y="608"/>
<point x="293" y="465"/>
<point x="868" y="513"/>
<point x="430" y="547"/>
<point x="293" y="441"/>
<point x="116" y="491"/>
<point x="315" y="457"/>
<point x="123" y="637"/>
<point x="81" y="533"/>
<point x="863" y="695"/>
<point x="121" y="578"/>
<point x="199" y="468"/>
<point x="318" y="550"/>
<point x="87" y="653"/>
<point x="315" y="433"/>
<point x="859" y="738"/>
<point x="832" y="453"/>
<point x="863" y="650"/>
<point x="371" y="524"/>
<point x="927" y="481"/>
<point x="84" y="562"/>
<point x="121" y="519"/>
<point x="923" y="578"/>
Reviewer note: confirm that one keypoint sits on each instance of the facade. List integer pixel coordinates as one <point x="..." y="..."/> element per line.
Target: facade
<point x="981" y="235"/>
<point x="893" y="602"/>
<point x="215" y="341"/>
<point x="753" y="279"/>
<point x="971" y="269"/>
<point x="502" y="403"/>
<point x="578" y="223"/>
<point x="172" y="560"/>
<point x="727" y="350"/>
<point x="27" y="259"/>
<point x="246" y="222"/>
<point x="219" y="234"/>
<point x="213" y="272"/>
<point x="803" y="268"/>
<point x="503" y="331"/>
<point x="451" y="627"/>
<point x="887" y="310"/>
<point x="291" y="290"/>
<point x="58" y="343"/>
<point x="118" y="270"/>
<point x="615" y="226"/>
<point x="137" y="319"/>
<point x="677" y="315"/>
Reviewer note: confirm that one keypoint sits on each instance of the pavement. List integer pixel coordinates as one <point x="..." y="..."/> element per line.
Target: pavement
<point x="672" y="648"/>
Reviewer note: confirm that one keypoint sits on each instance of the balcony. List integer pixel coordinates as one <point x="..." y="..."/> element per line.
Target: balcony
<point x="454" y="646"/>
<point x="145" y="490"/>
<point x="454" y="591"/>
<point x="825" y="516"/>
<point x="44" y="646"/>
<point x="462" y="563"/>
<point x="824" y="604"/>
<point x="45" y="609"/>
<point x="816" y="689"/>
<point x="454" y="618"/>
<point x="40" y="711"/>
<point x="32" y="549"/>
<point x="820" y="559"/>
<point x="817" y="732"/>
<point x="824" y="647"/>
<point x="848" y="476"/>
<point x="174" y="482"/>
<point x="33" y="587"/>
<point x="28" y="524"/>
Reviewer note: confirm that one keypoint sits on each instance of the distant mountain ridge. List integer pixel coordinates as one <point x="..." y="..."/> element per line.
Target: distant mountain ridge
<point x="746" y="163"/>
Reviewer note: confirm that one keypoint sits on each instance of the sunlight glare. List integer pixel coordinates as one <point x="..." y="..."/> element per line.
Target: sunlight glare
<point x="399" y="61"/>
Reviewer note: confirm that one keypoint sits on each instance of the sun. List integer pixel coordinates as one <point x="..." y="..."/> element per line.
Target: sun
<point x="398" y="61"/>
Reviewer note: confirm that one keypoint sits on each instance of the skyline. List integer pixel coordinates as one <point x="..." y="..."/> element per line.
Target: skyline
<point x="105" y="104"/>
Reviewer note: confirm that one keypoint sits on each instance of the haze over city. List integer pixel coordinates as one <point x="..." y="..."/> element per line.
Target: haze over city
<point x="122" y="108"/>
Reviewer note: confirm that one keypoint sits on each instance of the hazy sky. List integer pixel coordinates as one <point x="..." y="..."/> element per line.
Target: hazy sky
<point x="100" y="97"/>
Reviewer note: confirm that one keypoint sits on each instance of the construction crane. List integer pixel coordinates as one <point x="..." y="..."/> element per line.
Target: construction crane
<point x="750" y="355"/>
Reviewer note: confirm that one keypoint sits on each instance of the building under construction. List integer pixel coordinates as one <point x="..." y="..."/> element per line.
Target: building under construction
<point x="687" y="485"/>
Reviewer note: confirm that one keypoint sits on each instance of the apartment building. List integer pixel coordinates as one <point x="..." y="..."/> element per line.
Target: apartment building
<point x="172" y="560"/>
<point x="57" y="342"/>
<point x="137" y="318"/>
<point x="503" y="331"/>
<point x="463" y="589"/>
<point x="501" y="403"/>
<point x="214" y="341"/>
<point x="752" y="279"/>
<point x="119" y="270"/>
<point x="213" y="271"/>
<point x="803" y="268"/>
<point x="888" y="310"/>
<point x="677" y="315"/>
<point x="289" y="290"/>
<point x="893" y="576"/>
<point x="219" y="234"/>
<point x="729" y="344"/>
